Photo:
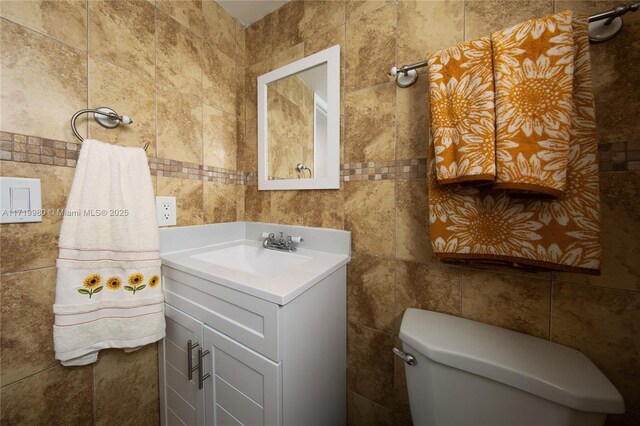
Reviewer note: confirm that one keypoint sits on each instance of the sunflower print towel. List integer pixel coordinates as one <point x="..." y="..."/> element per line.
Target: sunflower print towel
<point x="485" y="225"/>
<point x="461" y="100"/>
<point x="534" y="71"/>
<point x="108" y="289"/>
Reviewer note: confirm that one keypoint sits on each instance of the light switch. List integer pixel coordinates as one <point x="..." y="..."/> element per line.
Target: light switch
<point x="20" y="200"/>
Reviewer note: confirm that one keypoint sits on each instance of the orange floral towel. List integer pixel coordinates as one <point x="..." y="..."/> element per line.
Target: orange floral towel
<point x="486" y="225"/>
<point x="461" y="95"/>
<point x="533" y="68"/>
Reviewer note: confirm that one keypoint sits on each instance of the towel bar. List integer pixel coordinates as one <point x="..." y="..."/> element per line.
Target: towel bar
<point x="407" y="75"/>
<point x="104" y="116"/>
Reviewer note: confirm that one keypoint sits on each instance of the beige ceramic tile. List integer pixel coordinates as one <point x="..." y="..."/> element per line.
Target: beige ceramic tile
<point x="412" y="120"/>
<point x="43" y="84"/>
<point x="219" y="75"/>
<point x="370" y="299"/>
<point x="133" y="376"/>
<point x="508" y="301"/>
<point x="241" y="48"/>
<point x="240" y="142"/>
<point x="412" y="223"/>
<point x="219" y="202"/>
<point x="64" y="20"/>
<point x="179" y="57"/>
<point x="370" y="216"/>
<point x="240" y="202"/>
<point x="248" y="148"/>
<point x="186" y="12"/>
<point x="432" y="286"/>
<point x="288" y="207"/>
<point x="428" y="26"/>
<point x="251" y="86"/>
<point x="503" y="13"/>
<point x="26" y="343"/>
<point x="123" y="33"/>
<point x="132" y="95"/>
<point x="149" y="415"/>
<point x="591" y="7"/>
<point x="362" y="412"/>
<point x="356" y="8"/>
<point x="257" y="204"/>
<point x="288" y="55"/>
<point x="615" y="76"/>
<point x="370" y="371"/>
<point x="320" y="15"/>
<point x="620" y="221"/>
<point x="286" y="25"/>
<point x="179" y="126"/>
<point x="259" y="40"/>
<point x="241" y="98"/>
<point x="369" y="127"/>
<point x="57" y="396"/>
<point x="603" y="324"/>
<point x="219" y="143"/>
<point x="325" y="209"/>
<point x="370" y="49"/>
<point x="220" y="28"/>
<point x="25" y="246"/>
<point x="188" y="195"/>
<point x="327" y="39"/>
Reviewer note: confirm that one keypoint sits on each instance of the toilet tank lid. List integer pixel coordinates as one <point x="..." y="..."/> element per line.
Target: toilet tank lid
<point x="540" y="367"/>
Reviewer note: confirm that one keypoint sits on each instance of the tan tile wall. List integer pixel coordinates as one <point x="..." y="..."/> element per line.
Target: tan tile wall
<point x="176" y="68"/>
<point x="385" y="129"/>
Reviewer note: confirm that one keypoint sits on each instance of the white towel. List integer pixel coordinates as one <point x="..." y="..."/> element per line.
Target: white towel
<point x="108" y="290"/>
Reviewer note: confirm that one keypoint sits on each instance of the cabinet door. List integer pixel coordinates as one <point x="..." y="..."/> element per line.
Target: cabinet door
<point x="181" y="400"/>
<point x="245" y="388"/>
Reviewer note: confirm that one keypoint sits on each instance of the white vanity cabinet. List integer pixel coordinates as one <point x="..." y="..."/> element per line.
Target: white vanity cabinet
<point x="278" y="359"/>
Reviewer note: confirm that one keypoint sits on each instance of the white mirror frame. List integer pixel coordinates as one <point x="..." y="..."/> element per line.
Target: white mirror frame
<point x="331" y="57"/>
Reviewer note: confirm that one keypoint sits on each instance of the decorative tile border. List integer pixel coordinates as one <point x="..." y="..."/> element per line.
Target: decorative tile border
<point x="619" y="156"/>
<point x="384" y="170"/>
<point x="36" y="150"/>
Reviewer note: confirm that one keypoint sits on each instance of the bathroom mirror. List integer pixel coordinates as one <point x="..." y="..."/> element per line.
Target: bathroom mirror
<point x="299" y="124"/>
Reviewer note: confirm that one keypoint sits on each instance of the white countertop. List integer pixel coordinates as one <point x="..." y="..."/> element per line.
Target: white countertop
<point x="279" y="288"/>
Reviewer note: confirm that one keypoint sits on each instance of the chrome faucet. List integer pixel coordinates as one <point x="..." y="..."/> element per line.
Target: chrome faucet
<point x="280" y="243"/>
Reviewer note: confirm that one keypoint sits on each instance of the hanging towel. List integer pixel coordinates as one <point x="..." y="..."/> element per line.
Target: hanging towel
<point x="108" y="292"/>
<point x="461" y="100"/>
<point x="485" y="225"/>
<point x="533" y="67"/>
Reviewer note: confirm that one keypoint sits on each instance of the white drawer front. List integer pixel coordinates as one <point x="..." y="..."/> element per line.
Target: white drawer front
<point x="247" y="319"/>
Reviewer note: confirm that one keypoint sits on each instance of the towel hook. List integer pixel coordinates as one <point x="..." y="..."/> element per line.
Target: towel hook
<point x="104" y="116"/>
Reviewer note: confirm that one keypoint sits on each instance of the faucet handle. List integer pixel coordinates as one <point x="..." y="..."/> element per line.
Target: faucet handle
<point x="297" y="240"/>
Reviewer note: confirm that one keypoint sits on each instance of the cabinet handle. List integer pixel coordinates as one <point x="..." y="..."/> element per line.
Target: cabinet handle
<point x="201" y="377"/>
<point x="190" y="367"/>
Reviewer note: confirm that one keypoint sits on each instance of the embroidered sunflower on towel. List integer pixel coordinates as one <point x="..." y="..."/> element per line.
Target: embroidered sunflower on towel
<point x="91" y="284"/>
<point x="114" y="283"/>
<point x="135" y="283"/>
<point x="154" y="281"/>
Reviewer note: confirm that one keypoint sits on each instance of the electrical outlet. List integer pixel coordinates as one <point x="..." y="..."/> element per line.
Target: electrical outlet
<point x="166" y="211"/>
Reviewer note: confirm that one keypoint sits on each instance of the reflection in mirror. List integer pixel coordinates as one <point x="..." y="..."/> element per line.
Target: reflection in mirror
<point x="297" y="124"/>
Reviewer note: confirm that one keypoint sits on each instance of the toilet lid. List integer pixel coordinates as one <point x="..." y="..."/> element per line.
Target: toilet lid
<point x="543" y="368"/>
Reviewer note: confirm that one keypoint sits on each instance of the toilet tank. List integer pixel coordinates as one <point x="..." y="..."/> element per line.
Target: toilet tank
<point x="469" y="373"/>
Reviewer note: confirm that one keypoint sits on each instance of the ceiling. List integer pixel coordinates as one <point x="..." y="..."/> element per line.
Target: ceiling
<point x="249" y="11"/>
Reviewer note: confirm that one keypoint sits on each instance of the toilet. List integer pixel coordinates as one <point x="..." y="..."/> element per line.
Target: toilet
<point x="462" y="372"/>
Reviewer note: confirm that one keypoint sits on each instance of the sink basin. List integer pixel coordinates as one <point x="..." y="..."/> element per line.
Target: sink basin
<point x="252" y="259"/>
